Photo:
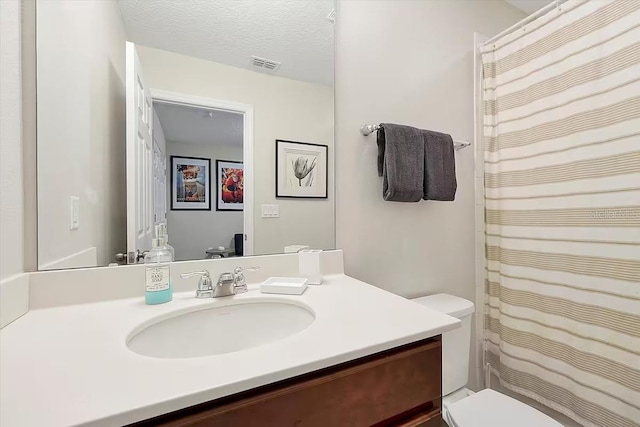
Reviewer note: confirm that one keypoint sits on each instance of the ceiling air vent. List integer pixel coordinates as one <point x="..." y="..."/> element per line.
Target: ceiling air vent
<point x="267" y="64"/>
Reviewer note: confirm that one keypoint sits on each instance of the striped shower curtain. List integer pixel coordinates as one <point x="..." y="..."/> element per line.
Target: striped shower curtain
<point x="562" y="210"/>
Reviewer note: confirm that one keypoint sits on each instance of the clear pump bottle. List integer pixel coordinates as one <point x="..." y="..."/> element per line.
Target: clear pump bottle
<point x="158" y="289"/>
<point x="165" y="235"/>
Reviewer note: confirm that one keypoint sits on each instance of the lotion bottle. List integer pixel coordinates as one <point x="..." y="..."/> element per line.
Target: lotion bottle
<point x="158" y="289"/>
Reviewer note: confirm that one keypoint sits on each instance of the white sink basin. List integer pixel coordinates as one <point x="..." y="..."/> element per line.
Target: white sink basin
<point x="205" y="331"/>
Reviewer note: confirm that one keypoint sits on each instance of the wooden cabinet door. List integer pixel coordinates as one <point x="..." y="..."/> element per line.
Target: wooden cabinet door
<point x="399" y="387"/>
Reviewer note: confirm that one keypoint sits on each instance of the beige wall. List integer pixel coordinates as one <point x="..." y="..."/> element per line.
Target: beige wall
<point x="408" y="62"/>
<point x="283" y="109"/>
<point x="11" y="189"/>
<point x="191" y="233"/>
<point x="81" y="131"/>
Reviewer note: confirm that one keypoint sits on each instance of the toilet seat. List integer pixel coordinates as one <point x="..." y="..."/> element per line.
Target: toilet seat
<point x="488" y="408"/>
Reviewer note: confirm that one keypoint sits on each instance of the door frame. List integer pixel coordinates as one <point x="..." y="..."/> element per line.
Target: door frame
<point x="246" y="110"/>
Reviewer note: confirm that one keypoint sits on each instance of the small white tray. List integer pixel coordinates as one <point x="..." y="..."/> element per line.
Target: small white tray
<point x="284" y="285"/>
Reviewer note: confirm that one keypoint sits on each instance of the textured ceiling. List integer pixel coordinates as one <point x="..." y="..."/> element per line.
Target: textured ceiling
<point x="296" y="33"/>
<point x="195" y="126"/>
<point x="529" y="6"/>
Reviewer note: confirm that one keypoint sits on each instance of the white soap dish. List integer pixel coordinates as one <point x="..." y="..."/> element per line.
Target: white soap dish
<point x="284" y="285"/>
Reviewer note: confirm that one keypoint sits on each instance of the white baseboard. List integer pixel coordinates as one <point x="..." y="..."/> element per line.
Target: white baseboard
<point x="85" y="258"/>
<point x="14" y="298"/>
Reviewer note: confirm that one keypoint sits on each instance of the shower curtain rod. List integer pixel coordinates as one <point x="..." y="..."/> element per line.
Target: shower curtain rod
<point x="523" y="22"/>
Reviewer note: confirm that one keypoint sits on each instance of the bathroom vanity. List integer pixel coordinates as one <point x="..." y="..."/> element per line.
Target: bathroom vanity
<point x="398" y="387"/>
<point x="365" y="357"/>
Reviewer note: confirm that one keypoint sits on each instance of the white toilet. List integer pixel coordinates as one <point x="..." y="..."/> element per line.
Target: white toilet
<point x="460" y="406"/>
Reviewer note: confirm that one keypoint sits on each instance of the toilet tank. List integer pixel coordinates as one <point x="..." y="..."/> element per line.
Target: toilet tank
<point x="455" y="344"/>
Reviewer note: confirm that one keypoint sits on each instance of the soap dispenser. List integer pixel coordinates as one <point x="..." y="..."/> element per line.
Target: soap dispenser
<point x="158" y="289"/>
<point x="165" y="235"/>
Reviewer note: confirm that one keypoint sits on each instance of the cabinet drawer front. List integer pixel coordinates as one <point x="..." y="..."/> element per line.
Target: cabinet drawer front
<point x="378" y="390"/>
<point x="432" y="418"/>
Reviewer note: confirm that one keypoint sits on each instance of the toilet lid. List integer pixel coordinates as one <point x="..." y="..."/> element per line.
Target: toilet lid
<point x="488" y="408"/>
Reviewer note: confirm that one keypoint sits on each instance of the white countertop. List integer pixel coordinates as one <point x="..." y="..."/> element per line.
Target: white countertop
<point x="70" y="365"/>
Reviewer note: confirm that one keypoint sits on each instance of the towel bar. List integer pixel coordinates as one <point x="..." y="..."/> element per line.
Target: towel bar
<point x="369" y="129"/>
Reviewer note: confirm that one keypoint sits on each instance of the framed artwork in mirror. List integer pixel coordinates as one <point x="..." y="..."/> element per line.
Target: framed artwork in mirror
<point x="229" y="185"/>
<point x="190" y="184"/>
<point x="301" y="170"/>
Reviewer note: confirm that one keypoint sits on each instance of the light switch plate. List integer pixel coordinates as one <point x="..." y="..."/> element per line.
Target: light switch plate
<point x="270" y="211"/>
<point x="75" y="213"/>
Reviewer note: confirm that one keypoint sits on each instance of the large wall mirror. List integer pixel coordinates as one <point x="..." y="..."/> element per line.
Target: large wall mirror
<point x="209" y="122"/>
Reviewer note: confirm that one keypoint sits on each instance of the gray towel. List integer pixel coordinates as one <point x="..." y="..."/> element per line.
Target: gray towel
<point x="440" y="167"/>
<point x="401" y="162"/>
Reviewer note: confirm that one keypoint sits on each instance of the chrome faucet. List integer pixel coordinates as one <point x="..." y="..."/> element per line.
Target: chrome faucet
<point x="225" y="286"/>
<point x="228" y="283"/>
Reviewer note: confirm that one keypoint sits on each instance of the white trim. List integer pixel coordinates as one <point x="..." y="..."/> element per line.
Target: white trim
<point x="247" y="155"/>
<point x="130" y="135"/>
<point x="247" y="146"/>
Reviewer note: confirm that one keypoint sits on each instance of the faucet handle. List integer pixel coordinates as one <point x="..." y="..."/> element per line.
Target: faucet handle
<point x="240" y="285"/>
<point x="205" y="287"/>
<point x="204" y="274"/>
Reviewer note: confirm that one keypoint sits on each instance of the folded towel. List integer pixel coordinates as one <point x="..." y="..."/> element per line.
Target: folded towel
<point x="440" y="167"/>
<point x="401" y="162"/>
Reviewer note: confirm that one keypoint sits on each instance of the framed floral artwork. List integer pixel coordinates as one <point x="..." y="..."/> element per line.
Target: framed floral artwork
<point x="229" y="185"/>
<point x="190" y="184"/>
<point x="301" y="169"/>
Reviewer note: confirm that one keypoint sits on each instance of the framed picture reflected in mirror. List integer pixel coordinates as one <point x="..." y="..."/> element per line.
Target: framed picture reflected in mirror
<point x="190" y="183"/>
<point x="229" y="185"/>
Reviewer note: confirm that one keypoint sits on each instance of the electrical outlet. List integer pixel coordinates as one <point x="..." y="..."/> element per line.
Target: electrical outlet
<point x="270" y="211"/>
<point x="75" y="213"/>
